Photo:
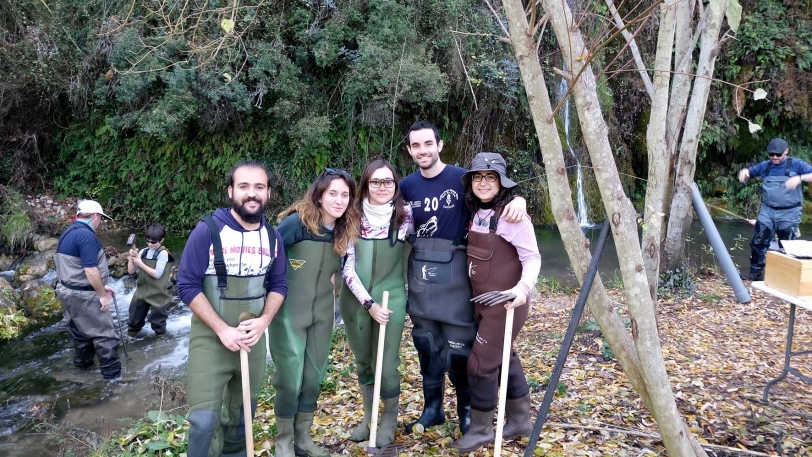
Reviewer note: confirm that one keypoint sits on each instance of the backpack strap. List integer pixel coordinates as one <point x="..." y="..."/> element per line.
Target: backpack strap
<point x="219" y="260"/>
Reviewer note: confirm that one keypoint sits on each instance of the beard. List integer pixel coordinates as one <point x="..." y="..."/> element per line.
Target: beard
<point x="434" y="160"/>
<point x="246" y="215"/>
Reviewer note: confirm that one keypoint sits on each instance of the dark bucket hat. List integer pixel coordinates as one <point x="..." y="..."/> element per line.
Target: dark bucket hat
<point x="489" y="161"/>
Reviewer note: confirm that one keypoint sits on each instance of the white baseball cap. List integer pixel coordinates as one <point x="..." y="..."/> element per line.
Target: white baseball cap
<point x="90" y="207"/>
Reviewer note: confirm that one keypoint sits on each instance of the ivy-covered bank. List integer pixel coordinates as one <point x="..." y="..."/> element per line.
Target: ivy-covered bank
<point x="145" y="106"/>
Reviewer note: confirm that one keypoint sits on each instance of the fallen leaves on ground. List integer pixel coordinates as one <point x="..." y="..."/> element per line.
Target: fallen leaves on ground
<point x="719" y="355"/>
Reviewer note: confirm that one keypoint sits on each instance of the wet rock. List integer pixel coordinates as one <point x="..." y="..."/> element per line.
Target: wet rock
<point x="46" y="244"/>
<point x="5" y="262"/>
<point x="8" y="297"/>
<point x="39" y="300"/>
<point x="113" y="261"/>
<point x="8" y="275"/>
<point x="35" y="265"/>
<point x="128" y="283"/>
<point x="22" y="279"/>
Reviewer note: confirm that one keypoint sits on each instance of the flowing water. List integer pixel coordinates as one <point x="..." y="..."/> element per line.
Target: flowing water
<point x="580" y="199"/>
<point x="37" y="376"/>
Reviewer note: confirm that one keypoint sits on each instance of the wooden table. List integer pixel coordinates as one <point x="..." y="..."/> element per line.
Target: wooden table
<point x="793" y="303"/>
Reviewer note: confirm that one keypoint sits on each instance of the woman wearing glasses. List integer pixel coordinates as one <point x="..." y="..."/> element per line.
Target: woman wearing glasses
<point x="155" y="265"/>
<point x="316" y="231"/>
<point x="375" y="264"/>
<point x="503" y="257"/>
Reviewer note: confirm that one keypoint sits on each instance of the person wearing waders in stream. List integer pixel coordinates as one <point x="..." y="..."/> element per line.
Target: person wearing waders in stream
<point x="153" y="265"/>
<point x="781" y="201"/>
<point x="81" y="270"/>
<point x="439" y="291"/>
<point x="503" y="257"/>
<point x="374" y="264"/>
<point x="229" y="267"/>
<point x="317" y="229"/>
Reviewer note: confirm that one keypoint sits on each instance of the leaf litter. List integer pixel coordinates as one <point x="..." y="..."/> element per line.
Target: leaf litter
<point x="719" y="355"/>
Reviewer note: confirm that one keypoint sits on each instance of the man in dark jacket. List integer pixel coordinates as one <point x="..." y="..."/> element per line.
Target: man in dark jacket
<point x="229" y="267"/>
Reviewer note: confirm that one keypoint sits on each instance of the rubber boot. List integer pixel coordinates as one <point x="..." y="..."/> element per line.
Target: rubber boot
<point x="361" y="432"/>
<point x="517" y="418"/>
<point x="464" y="408"/>
<point x="303" y="443"/>
<point x="433" y="412"/>
<point x="479" y="434"/>
<point x="284" y="437"/>
<point x="386" y="429"/>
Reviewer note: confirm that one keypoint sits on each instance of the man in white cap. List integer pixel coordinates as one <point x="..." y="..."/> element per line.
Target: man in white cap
<point x="81" y="268"/>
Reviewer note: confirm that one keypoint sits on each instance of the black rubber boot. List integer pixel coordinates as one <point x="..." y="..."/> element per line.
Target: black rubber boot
<point x="433" y="412"/>
<point x="464" y="408"/>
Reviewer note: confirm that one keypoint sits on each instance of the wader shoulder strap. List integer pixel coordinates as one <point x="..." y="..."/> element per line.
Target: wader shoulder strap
<point x="393" y="231"/>
<point x="219" y="260"/>
<point x="788" y="168"/>
<point x="272" y="239"/>
<point x="146" y="250"/>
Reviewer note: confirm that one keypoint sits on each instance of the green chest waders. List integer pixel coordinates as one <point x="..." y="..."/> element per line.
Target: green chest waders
<point x="379" y="266"/>
<point x="151" y="296"/>
<point x="302" y="328"/>
<point x="214" y="387"/>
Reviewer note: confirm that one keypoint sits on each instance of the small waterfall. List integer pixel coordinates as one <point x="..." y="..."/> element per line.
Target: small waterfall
<point x="583" y="211"/>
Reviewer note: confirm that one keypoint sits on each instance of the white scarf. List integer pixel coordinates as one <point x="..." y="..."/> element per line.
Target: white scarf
<point x="378" y="215"/>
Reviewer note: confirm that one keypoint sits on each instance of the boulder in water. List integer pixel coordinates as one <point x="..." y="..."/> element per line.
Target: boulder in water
<point x="8" y="297"/>
<point x="40" y="301"/>
<point x="5" y="262"/>
<point x="35" y="265"/>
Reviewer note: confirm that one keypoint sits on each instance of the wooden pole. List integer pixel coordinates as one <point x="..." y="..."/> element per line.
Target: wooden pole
<point x="503" y="383"/>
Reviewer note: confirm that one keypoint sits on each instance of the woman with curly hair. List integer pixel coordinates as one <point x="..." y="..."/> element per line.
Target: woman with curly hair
<point x="316" y="231"/>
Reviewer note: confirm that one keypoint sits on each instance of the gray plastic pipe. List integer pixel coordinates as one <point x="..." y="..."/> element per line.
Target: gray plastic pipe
<point x="742" y="295"/>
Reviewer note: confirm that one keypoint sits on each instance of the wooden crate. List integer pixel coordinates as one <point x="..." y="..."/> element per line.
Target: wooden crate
<point x="788" y="274"/>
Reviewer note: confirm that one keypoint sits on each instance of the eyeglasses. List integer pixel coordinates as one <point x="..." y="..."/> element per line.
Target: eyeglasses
<point x="487" y="178"/>
<point x="153" y="241"/>
<point x="337" y="171"/>
<point x="376" y="183"/>
<point x="775" y="154"/>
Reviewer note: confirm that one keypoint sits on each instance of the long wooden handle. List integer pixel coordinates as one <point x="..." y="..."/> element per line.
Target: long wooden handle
<point x="376" y="390"/>
<point x="246" y="403"/>
<point x="503" y="383"/>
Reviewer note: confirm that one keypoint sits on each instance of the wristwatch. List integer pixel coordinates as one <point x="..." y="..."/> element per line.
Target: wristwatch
<point x="368" y="304"/>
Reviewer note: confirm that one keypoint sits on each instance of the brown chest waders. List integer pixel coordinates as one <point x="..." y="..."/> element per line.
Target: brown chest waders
<point x="93" y="332"/>
<point x="493" y="265"/>
<point x="302" y="329"/>
<point x="151" y="296"/>
<point x="214" y="388"/>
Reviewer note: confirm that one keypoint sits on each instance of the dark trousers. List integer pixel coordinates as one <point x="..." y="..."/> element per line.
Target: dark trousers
<point x="141" y="311"/>
<point x="763" y="234"/>
<point x="442" y="346"/>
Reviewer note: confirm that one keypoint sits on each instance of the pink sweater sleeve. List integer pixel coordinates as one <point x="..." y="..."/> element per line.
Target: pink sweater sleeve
<point x="522" y="236"/>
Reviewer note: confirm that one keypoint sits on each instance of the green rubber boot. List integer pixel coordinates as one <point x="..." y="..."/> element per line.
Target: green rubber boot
<point x="479" y="434"/>
<point x="517" y="418"/>
<point x="284" y="437"/>
<point x="303" y="443"/>
<point x="386" y="430"/>
<point x="361" y="432"/>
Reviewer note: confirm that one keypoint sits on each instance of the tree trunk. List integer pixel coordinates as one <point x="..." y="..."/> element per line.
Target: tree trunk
<point x="681" y="209"/>
<point x="658" y="157"/>
<point x="678" y="440"/>
<point x="563" y="209"/>
<point x="638" y="60"/>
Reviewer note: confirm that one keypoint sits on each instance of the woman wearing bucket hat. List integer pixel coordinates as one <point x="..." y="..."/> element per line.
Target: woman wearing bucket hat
<point x="502" y="257"/>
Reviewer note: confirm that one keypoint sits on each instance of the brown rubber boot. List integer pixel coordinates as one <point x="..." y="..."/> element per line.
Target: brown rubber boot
<point x="361" y="432"/>
<point x="517" y="418"/>
<point x="386" y="429"/>
<point x="284" y="437"/>
<point x="479" y="434"/>
<point x="303" y="444"/>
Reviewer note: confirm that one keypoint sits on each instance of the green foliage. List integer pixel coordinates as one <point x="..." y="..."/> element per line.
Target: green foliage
<point x="676" y="283"/>
<point x="15" y="223"/>
<point x="552" y="286"/>
<point x="159" y="433"/>
<point x="12" y="323"/>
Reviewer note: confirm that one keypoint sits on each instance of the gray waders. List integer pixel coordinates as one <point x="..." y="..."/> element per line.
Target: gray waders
<point x="214" y="387"/>
<point x="379" y="265"/>
<point x="301" y="333"/>
<point x="780" y="214"/>
<point x="151" y="297"/>
<point x="444" y="327"/>
<point x="93" y="332"/>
